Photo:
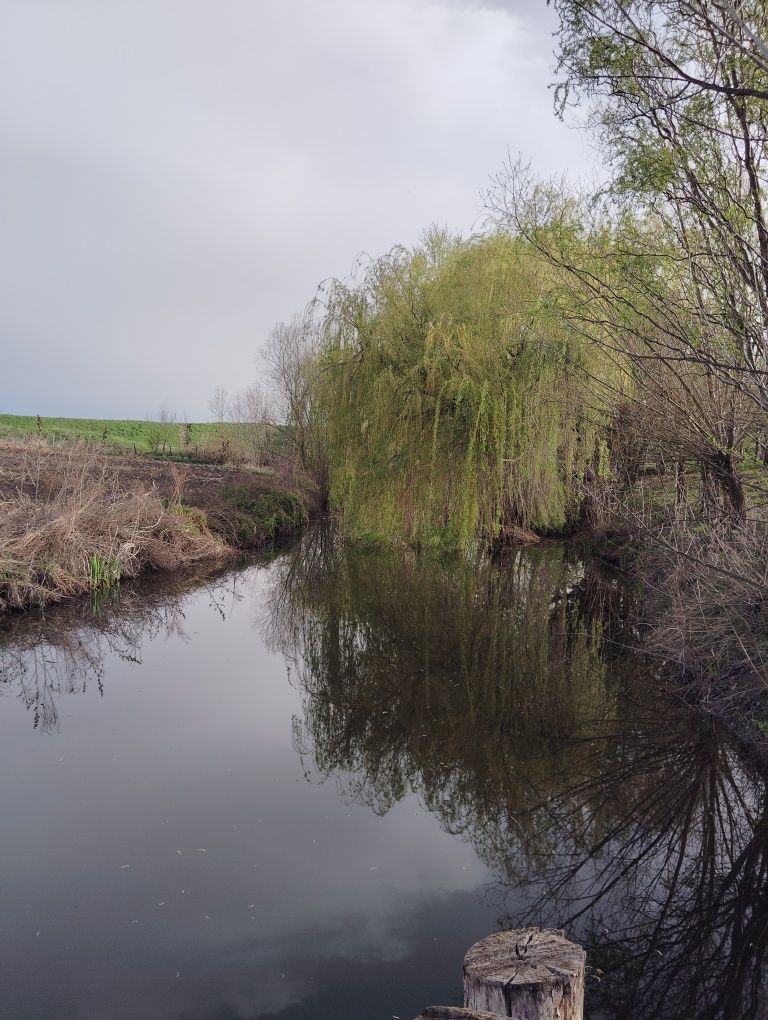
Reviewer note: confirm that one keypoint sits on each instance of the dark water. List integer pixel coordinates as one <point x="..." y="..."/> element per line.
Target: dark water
<point x="304" y="789"/>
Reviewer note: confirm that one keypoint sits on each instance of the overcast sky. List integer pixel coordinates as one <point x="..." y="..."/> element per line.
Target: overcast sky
<point x="177" y="175"/>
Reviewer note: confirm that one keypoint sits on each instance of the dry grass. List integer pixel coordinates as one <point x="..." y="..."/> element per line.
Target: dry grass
<point x="73" y="525"/>
<point x="704" y="580"/>
<point x="706" y="607"/>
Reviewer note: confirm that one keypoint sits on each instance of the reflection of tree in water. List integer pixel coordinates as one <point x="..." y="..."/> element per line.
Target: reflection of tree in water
<point x="62" y="650"/>
<point x="661" y="866"/>
<point x="488" y="691"/>
<point x="441" y="678"/>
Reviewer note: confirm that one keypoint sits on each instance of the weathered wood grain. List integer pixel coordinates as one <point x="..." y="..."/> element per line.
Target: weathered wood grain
<point x="528" y="973"/>
<point x="455" y="1013"/>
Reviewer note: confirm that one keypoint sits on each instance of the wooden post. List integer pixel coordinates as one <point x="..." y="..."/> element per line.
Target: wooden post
<point x="526" y="973"/>
<point x="455" y="1013"/>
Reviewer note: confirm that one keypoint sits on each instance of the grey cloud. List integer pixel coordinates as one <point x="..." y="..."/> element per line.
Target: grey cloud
<point x="176" y="176"/>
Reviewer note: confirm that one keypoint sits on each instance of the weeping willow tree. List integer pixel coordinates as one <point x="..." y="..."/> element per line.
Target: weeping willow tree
<point x="454" y="395"/>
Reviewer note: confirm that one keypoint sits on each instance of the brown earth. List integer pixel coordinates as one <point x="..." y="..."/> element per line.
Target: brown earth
<point x="38" y="468"/>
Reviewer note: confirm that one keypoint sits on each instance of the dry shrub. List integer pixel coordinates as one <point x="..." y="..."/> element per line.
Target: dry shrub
<point x="72" y="526"/>
<point x="707" y="608"/>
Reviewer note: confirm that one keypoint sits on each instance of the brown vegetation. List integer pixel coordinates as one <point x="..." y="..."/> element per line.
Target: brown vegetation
<point x="705" y="606"/>
<point x="82" y="527"/>
<point x="74" y="522"/>
<point x="32" y="465"/>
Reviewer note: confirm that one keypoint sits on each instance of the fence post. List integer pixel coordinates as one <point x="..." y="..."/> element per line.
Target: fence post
<point x="526" y="973"/>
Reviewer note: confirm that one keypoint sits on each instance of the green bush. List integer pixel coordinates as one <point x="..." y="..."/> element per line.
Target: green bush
<point x="255" y="518"/>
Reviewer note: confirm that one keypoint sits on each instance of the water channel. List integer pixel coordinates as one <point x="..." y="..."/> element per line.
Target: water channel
<point x="302" y="789"/>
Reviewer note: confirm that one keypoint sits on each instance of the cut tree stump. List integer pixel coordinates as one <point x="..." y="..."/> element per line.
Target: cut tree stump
<point x="455" y="1013"/>
<point x="528" y="974"/>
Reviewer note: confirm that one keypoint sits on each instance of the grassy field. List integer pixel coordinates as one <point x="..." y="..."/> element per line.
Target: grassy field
<point x="209" y="440"/>
<point x="144" y="436"/>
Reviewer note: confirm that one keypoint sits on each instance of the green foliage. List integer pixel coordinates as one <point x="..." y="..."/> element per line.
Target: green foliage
<point x="255" y="518"/>
<point x="104" y="573"/>
<point x="195" y="518"/>
<point x="678" y="93"/>
<point x="453" y="395"/>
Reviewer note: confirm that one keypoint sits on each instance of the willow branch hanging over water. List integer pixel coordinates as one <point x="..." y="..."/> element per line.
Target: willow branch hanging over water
<point x="454" y="398"/>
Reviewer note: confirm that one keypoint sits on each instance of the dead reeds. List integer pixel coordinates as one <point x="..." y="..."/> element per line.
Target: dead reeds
<point x="72" y="527"/>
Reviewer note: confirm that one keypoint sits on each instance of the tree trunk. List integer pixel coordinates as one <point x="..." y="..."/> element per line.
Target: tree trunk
<point x="710" y="504"/>
<point x="729" y="479"/>
<point x="680" y="488"/>
<point x="529" y="974"/>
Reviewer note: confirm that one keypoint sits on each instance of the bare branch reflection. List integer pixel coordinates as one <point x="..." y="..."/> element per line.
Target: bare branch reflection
<point x="62" y="650"/>
<point x="658" y="859"/>
<point x="496" y="692"/>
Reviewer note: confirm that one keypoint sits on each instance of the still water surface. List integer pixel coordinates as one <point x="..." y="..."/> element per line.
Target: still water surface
<point x="303" y="789"/>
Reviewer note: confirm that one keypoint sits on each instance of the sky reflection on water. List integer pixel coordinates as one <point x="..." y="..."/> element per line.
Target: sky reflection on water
<point x="305" y="789"/>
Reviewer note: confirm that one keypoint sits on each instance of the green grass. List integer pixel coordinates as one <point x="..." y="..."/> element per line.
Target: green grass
<point x="103" y="573"/>
<point x="120" y="435"/>
<point x="256" y="518"/>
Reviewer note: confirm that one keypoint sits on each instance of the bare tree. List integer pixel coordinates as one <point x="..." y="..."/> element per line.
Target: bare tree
<point x="251" y="413"/>
<point x="161" y="430"/>
<point x="630" y="287"/>
<point x="291" y="355"/>
<point x="219" y="403"/>
<point x="679" y="90"/>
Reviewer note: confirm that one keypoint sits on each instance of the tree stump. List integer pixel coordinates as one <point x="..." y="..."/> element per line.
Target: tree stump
<point x="455" y="1013"/>
<point x="528" y="973"/>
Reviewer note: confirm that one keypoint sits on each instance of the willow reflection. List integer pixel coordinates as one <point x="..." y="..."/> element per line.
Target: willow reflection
<point x="491" y="692"/>
<point x="457" y="681"/>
